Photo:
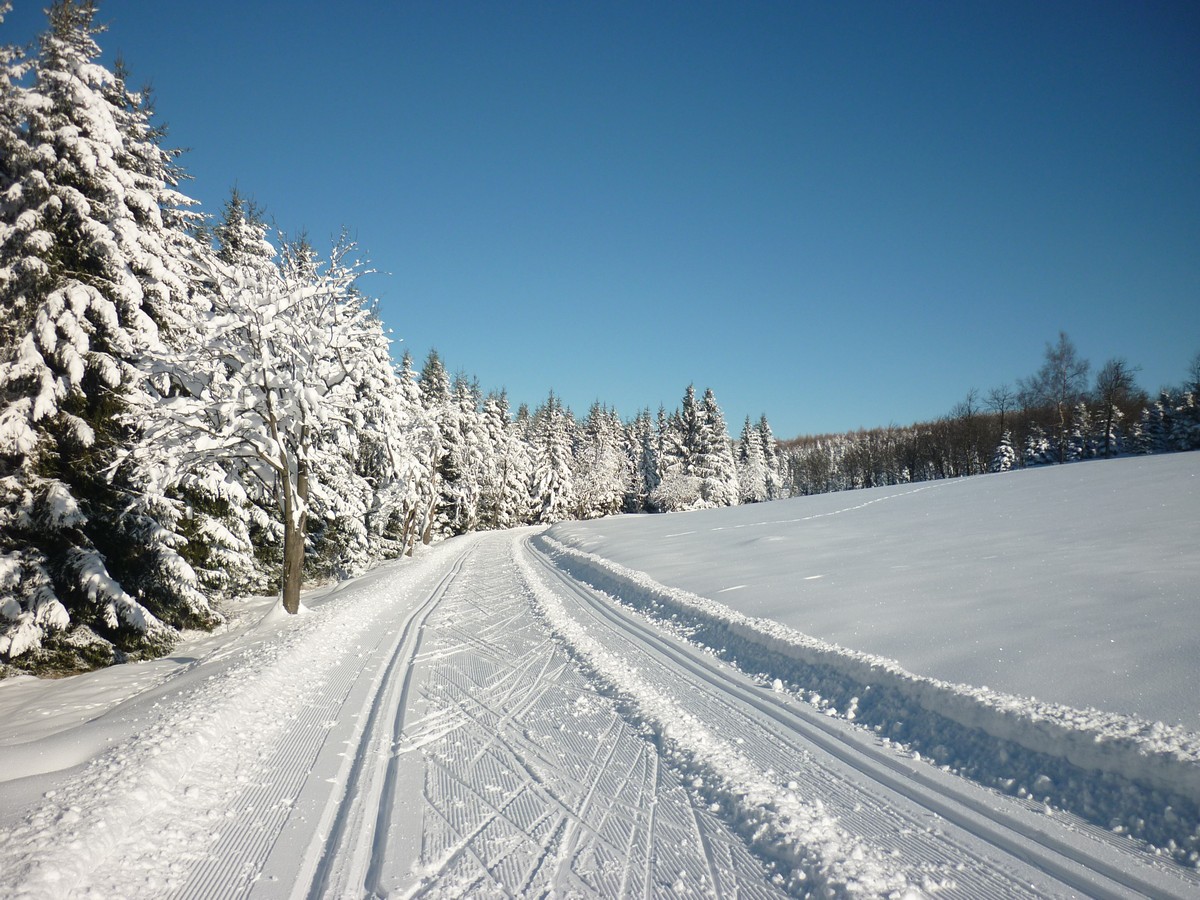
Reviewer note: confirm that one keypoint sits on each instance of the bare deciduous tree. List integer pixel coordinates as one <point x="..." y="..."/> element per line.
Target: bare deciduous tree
<point x="1059" y="385"/>
<point x="1115" y="388"/>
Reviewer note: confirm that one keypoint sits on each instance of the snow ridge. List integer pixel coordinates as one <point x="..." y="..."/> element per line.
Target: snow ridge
<point x="794" y="830"/>
<point x="1127" y="749"/>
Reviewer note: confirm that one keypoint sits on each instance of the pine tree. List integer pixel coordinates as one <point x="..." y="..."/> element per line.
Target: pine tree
<point x="681" y="486"/>
<point x="1005" y="457"/>
<point x="477" y="462"/>
<point x="506" y="495"/>
<point x="1038" y="449"/>
<point x="552" y="433"/>
<point x="93" y="276"/>
<point x="714" y="462"/>
<point x="411" y="514"/>
<point x="1156" y="424"/>
<point x="752" y="467"/>
<point x="1186" y="431"/>
<point x="777" y="486"/>
<point x="1082" y="443"/>
<point x="600" y="464"/>
<point x="460" y="462"/>
<point x="644" y="472"/>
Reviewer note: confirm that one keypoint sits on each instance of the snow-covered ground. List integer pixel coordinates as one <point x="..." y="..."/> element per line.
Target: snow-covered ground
<point x="1077" y="584"/>
<point x="602" y="710"/>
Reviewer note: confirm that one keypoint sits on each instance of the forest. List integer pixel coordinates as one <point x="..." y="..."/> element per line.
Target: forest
<point x="193" y="409"/>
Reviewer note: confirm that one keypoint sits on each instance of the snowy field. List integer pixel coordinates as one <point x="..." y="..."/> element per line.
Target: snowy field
<point x="1077" y="584"/>
<point x="654" y="706"/>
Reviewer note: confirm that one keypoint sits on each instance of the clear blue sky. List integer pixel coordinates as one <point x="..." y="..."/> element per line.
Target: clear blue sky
<point x="840" y="214"/>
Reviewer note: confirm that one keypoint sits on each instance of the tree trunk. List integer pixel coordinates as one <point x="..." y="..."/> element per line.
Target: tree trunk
<point x="295" y="526"/>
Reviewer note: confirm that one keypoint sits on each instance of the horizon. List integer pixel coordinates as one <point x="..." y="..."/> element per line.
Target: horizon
<point x="841" y="217"/>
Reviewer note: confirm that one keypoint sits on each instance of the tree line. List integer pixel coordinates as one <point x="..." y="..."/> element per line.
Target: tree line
<point x="1057" y="414"/>
<point x="192" y="409"/>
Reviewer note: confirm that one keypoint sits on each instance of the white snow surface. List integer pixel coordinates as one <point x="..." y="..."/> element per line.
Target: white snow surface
<point x="1078" y="584"/>
<point x="509" y="716"/>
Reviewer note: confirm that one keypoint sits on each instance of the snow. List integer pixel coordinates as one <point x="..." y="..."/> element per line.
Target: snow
<point x="511" y="715"/>
<point x="1077" y="584"/>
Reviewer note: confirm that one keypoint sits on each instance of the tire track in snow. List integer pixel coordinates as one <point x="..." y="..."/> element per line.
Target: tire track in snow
<point x="984" y="818"/>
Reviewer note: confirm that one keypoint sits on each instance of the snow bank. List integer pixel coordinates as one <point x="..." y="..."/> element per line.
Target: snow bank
<point x="1165" y="759"/>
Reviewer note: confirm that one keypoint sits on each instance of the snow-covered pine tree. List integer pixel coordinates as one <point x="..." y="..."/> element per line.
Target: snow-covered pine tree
<point x="680" y="486"/>
<point x="600" y="464"/>
<point x="461" y="461"/>
<point x="752" y="467"/>
<point x="523" y="434"/>
<point x="777" y="486"/>
<point x="477" y="460"/>
<point x="506" y="495"/>
<point x="1038" y="449"/>
<point x="552" y="436"/>
<point x="642" y="448"/>
<point x="241" y="234"/>
<point x="93" y="274"/>
<point x="406" y="508"/>
<point x="714" y="462"/>
<point x="1186" y="432"/>
<point x="442" y="408"/>
<point x="1005" y="457"/>
<point x="1082" y="441"/>
<point x="13" y="104"/>
<point x="1154" y="435"/>
<point x="681" y="437"/>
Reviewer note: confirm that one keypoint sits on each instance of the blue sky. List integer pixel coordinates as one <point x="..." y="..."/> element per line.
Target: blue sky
<point x="839" y="214"/>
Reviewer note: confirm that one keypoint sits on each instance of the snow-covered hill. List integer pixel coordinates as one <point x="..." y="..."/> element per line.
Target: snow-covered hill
<point x="1076" y="584"/>
<point x="602" y="710"/>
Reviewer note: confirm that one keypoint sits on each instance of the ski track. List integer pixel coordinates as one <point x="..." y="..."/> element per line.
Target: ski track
<point x="480" y="722"/>
<point x="531" y="783"/>
<point x="194" y="804"/>
<point x="904" y="808"/>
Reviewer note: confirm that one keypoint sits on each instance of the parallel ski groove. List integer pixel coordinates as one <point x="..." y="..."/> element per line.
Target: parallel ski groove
<point x="1089" y="872"/>
<point x="405" y="649"/>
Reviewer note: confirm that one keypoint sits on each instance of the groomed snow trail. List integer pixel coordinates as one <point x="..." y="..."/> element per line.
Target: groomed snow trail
<point x="495" y="769"/>
<point x="480" y="723"/>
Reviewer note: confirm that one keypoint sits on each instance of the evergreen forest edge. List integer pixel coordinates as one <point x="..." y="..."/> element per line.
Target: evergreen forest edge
<point x="190" y="413"/>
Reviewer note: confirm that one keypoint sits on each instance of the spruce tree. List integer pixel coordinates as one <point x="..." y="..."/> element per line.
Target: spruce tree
<point x="752" y="466"/>
<point x="643" y="448"/>
<point x="412" y="513"/>
<point x="600" y="462"/>
<point x="777" y="486"/>
<point x="714" y="461"/>
<point x="553" y="483"/>
<point x="1005" y="457"/>
<point x="94" y="275"/>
